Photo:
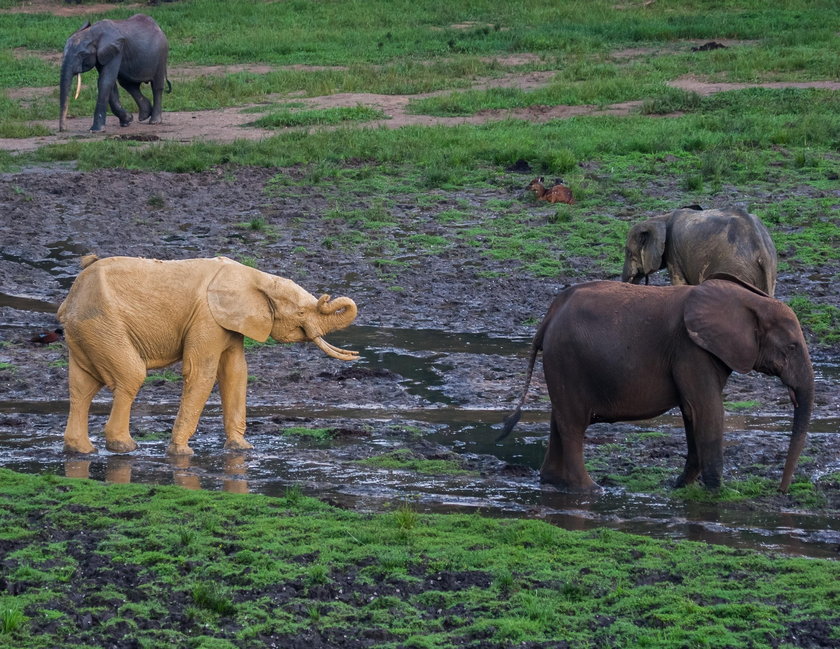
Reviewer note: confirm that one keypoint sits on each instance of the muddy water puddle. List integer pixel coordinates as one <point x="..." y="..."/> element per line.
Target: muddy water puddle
<point x="458" y="404"/>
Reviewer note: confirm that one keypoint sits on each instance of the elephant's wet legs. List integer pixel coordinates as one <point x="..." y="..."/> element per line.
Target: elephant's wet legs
<point x="704" y="436"/>
<point x="199" y="377"/>
<point x="563" y="464"/>
<point x="117" y="436"/>
<point x="233" y="379"/>
<point x="83" y="387"/>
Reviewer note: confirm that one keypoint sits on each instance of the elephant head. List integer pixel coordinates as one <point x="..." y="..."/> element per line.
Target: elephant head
<point x="259" y="305"/>
<point x="645" y="250"/>
<point x="83" y="50"/>
<point x="751" y="331"/>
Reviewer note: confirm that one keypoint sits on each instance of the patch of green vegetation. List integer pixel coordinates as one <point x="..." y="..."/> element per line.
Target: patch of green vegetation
<point x="285" y="117"/>
<point x="165" y="375"/>
<point x="152" y="435"/>
<point x="214" y="565"/>
<point x="731" y="491"/>
<point x="318" y="434"/>
<point x="643" y="479"/>
<point x="822" y="319"/>
<point x="250" y="343"/>
<point x="404" y="459"/>
<point x="5" y="365"/>
<point x="741" y="406"/>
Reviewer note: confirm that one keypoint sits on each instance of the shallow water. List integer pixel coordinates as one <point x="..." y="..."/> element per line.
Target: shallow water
<point x="502" y="480"/>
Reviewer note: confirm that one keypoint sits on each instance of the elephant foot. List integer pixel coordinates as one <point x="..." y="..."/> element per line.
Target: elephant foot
<point x="156" y="120"/>
<point x="120" y="445"/>
<point x="237" y="443"/>
<point x="179" y="449"/>
<point x="143" y="115"/>
<point x="97" y="129"/>
<point x="84" y="448"/>
<point x="587" y="486"/>
<point x="127" y="120"/>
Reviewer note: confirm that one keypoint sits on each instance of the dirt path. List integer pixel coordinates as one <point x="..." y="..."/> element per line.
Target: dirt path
<point x="229" y="124"/>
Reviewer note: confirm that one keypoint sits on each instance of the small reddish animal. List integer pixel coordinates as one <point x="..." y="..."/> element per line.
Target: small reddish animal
<point x="47" y="337"/>
<point x="556" y="194"/>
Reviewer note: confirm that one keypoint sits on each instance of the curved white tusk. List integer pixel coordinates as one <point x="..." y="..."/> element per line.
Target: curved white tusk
<point x="335" y="352"/>
<point x="78" y="86"/>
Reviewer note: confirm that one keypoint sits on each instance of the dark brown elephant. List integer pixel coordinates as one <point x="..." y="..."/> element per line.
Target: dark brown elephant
<point x="619" y="352"/>
<point x="696" y="244"/>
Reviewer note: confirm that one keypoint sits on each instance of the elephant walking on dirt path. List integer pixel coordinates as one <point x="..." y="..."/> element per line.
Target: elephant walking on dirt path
<point x="131" y="52"/>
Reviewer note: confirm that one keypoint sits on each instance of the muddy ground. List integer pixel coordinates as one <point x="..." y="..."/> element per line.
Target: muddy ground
<point x="444" y="346"/>
<point x="443" y="340"/>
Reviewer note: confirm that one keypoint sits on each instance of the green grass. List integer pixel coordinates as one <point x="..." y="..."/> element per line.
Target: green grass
<point x="740" y="406"/>
<point x="329" y="116"/>
<point x="822" y="319"/>
<point x="165" y="375"/>
<point x="316" y="434"/>
<point x="233" y="569"/>
<point x="404" y="459"/>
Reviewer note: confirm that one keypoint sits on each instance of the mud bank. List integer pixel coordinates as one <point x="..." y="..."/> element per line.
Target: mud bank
<point x="444" y="340"/>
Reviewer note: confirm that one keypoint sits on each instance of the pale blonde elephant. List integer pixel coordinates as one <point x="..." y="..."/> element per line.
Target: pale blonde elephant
<point x="126" y="315"/>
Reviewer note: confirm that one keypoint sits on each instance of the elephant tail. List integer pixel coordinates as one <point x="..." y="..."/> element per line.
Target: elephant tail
<point x="513" y="418"/>
<point x="168" y="86"/>
<point x="87" y="260"/>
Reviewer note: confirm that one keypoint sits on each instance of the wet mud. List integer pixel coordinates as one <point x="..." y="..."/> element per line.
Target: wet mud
<point x="444" y="340"/>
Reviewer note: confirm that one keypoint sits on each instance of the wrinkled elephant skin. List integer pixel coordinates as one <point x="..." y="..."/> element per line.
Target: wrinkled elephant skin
<point x="620" y="352"/>
<point x="129" y="52"/>
<point x="126" y="315"/>
<point x="694" y="245"/>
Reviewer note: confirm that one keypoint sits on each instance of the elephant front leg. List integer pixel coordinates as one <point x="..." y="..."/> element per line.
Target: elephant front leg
<point x="692" y="459"/>
<point x="199" y="377"/>
<point x="563" y="464"/>
<point x="117" y="108"/>
<point x="233" y="381"/>
<point x="704" y="432"/>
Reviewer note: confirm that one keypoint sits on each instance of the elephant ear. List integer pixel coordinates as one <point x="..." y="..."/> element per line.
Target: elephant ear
<point x="719" y="319"/>
<point x="109" y="46"/>
<point x="649" y="238"/>
<point x="238" y="302"/>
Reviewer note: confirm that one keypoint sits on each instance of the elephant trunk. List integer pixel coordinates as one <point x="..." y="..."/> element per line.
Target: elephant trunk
<point x="803" y="401"/>
<point x="632" y="272"/>
<point x="67" y="75"/>
<point x="332" y="315"/>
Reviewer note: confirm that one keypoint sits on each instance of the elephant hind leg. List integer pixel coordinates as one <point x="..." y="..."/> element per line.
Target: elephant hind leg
<point x="563" y="464"/>
<point x="83" y="387"/>
<point x="144" y="107"/>
<point x="126" y="386"/>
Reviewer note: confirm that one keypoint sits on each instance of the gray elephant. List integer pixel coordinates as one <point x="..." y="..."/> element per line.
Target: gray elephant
<point x="695" y="244"/>
<point x="604" y="362"/>
<point x="131" y="52"/>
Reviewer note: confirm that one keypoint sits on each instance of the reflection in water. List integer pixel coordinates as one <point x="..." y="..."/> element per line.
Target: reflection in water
<point x="236" y="467"/>
<point x="185" y="473"/>
<point x="181" y="471"/>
